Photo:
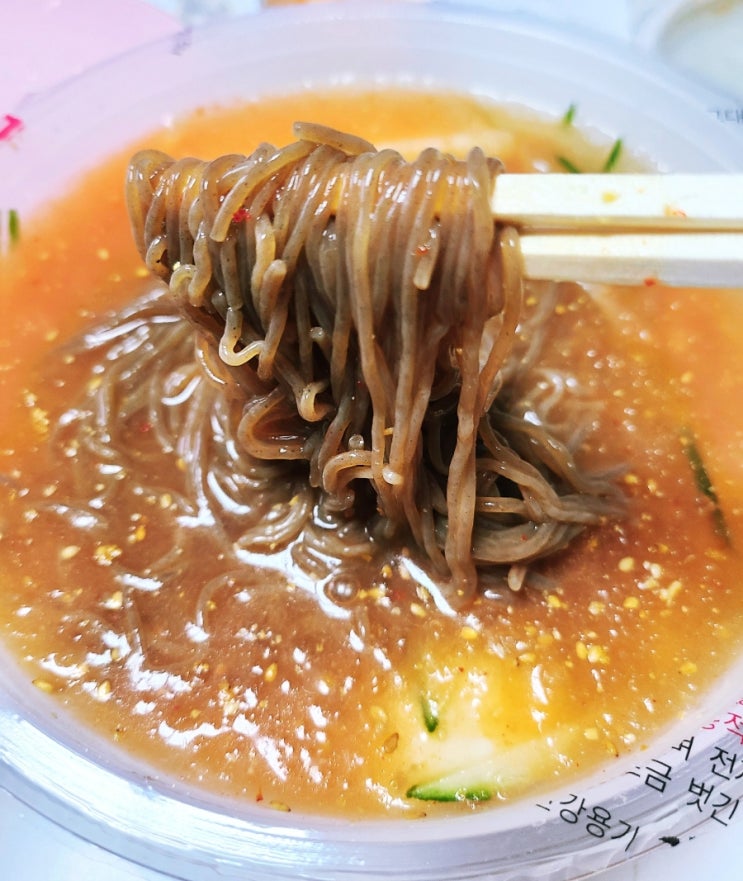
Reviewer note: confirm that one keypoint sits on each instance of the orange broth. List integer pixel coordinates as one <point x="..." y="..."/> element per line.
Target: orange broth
<point x="275" y="701"/>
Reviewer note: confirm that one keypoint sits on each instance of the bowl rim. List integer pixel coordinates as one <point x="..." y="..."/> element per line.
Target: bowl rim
<point x="127" y="813"/>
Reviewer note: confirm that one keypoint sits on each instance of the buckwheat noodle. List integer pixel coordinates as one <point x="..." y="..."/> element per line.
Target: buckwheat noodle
<point x="365" y="368"/>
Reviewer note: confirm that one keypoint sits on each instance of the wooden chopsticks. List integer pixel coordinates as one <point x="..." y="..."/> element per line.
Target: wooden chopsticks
<point x="674" y="229"/>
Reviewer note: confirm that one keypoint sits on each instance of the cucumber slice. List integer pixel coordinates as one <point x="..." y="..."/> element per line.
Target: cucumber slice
<point x="439" y="790"/>
<point x="481" y="781"/>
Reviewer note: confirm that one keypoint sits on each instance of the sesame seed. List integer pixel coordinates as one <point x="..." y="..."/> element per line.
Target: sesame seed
<point x="40" y="421"/>
<point x="468" y="632"/>
<point x="139" y="533"/>
<point x="105" y="554"/>
<point x="390" y="744"/>
<point x="280" y="806"/>
<point x="115" y="601"/>
<point x="103" y="691"/>
<point x="230" y="707"/>
<point x="669" y="594"/>
<point x="626" y="564"/>
<point x="649" y="584"/>
<point x="655" y="569"/>
<point x="43" y="685"/>
<point x="597" y="654"/>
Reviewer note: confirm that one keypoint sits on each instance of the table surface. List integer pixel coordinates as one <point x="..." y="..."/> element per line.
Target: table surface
<point x="33" y="58"/>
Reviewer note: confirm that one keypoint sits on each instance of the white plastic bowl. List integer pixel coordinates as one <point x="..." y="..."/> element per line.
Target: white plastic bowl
<point x="702" y="37"/>
<point x="68" y="773"/>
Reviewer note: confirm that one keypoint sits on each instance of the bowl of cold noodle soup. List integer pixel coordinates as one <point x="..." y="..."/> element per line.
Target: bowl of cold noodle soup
<point x="330" y="547"/>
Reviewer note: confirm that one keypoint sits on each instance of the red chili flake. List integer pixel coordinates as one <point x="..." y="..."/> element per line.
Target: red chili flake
<point x="145" y="426"/>
<point x="650" y="281"/>
<point x="422" y="250"/>
<point x="259" y="796"/>
<point x="240" y="215"/>
<point x="9" y="125"/>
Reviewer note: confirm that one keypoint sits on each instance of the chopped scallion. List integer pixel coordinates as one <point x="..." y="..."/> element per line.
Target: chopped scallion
<point x="570" y="115"/>
<point x="704" y="483"/>
<point x="14" y="226"/>
<point x="430" y="713"/>
<point x="613" y="157"/>
<point x="568" y="165"/>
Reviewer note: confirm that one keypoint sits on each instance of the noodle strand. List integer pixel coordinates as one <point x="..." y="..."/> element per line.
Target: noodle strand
<point x="373" y="314"/>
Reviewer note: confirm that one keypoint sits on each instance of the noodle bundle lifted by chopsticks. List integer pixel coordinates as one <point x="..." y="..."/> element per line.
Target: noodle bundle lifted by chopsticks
<point x="367" y="309"/>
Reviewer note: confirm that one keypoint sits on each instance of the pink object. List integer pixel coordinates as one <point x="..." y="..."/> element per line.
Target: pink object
<point x="43" y="42"/>
<point x="9" y="125"/>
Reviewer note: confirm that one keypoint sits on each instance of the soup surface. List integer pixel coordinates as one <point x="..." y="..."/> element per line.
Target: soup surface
<point x="362" y="694"/>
